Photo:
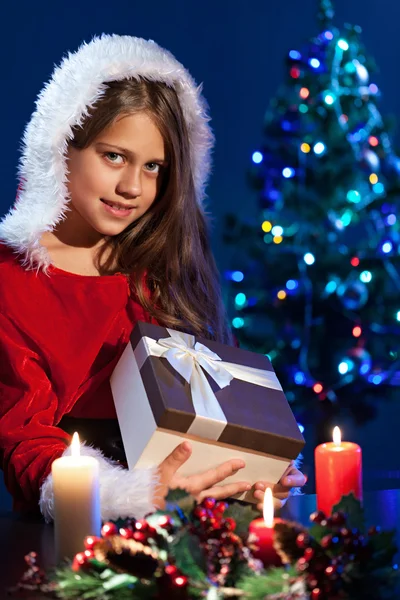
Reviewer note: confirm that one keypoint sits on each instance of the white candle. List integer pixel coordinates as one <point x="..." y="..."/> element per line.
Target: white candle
<point x="76" y="500"/>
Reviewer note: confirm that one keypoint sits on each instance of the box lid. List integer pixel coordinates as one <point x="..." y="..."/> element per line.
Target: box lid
<point x="259" y="418"/>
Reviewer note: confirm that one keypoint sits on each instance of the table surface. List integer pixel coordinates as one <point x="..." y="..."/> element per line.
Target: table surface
<point x="20" y="535"/>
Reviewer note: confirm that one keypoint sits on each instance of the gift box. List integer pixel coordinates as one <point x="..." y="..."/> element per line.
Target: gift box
<point x="170" y="386"/>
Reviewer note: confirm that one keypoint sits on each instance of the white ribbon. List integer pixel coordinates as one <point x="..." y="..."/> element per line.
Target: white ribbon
<point x="190" y="359"/>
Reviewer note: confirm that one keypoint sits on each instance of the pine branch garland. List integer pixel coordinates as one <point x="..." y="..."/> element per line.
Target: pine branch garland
<point x="202" y="557"/>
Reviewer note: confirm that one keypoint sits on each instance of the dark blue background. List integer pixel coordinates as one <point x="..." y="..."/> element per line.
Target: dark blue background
<point x="237" y="49"/>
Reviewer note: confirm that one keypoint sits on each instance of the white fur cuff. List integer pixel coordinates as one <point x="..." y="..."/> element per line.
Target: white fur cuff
<point x="123" y="493"/>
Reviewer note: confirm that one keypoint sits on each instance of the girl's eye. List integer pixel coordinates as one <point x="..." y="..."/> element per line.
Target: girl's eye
<point x="153" y="167"/>
<point x="113" y="157"/>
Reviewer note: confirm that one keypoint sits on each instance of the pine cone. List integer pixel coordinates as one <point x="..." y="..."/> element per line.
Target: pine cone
<point x="127" y="556"/>
<point x="285" y="541"/>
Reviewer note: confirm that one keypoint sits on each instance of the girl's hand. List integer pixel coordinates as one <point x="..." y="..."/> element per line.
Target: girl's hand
<point x="281" y="490"/>
<point x="201" y="485"/>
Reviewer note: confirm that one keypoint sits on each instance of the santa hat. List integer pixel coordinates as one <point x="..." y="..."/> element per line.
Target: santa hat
<point x="76" y="85"/>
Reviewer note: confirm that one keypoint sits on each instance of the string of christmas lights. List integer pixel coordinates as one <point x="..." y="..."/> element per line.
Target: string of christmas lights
<point x="316" y="283"/>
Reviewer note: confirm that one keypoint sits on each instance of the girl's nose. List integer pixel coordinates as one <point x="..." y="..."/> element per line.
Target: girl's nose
<point x="130" y="185"/>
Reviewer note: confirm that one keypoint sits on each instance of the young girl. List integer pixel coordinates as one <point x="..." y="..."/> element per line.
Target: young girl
<point x="108" y="229"/>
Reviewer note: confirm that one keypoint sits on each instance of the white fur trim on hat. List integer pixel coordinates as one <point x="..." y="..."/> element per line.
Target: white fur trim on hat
<point x="76" y="85"/>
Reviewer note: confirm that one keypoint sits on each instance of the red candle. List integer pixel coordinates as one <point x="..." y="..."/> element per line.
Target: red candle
<point x="262" y="534"/>
<point x="338" y="472"/>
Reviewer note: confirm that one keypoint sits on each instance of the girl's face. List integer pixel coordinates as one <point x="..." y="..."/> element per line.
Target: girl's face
<point x="116" y="179"/>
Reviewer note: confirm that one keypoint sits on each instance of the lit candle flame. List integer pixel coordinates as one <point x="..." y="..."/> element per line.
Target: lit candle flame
<point x="75" y="445"/>
<point x="268" y="509"/>
<point x="337" y="436"/>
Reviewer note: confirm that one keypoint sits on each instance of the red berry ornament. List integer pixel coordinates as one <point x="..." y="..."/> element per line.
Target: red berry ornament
<point x="171" y="570"/>
<point x="220" y="508"/>
<point x="126" y="533"/>
<point x="230" y="538"/>
<point x="309" y="553"/>
<point x="90" y="541"/>
<point x="302" y="564"/>
<point x="172" y="584"/>
<point x="319" y="564"/>
<point x="330" y="571"/>
<point x="80" y="560"/>
<point x="338" y="518"/>
<point x="208" y="503"/>
<point x="312" y="582"/>
<point x="345" y="533"/>
<point x="151" y="532"/>
<point x="214" y="523"/>
<point x="180" y="581"/>
<point x="318" y="517"/>
<point x="302" y="540"/>
<point x="165" y="522"/>
<point x="326" y="541"/>
<point x="229" y="524"/>
<point x="142" y="525"/>
<point x="200" y="512"/>
<point x="109" y="529"/>
<point x="139" y="536"/>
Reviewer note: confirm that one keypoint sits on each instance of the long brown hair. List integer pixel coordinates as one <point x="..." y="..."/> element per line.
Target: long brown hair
<point x="167" y="250"/>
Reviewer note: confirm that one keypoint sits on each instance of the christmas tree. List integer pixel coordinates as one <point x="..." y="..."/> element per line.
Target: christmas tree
<point x="315" y="282"/>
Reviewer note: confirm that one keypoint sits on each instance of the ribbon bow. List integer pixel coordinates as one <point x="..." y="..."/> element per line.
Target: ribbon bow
<point x="191" y="360"/>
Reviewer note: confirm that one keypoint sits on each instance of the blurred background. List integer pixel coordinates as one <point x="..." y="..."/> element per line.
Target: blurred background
<point x="240" y="51"/>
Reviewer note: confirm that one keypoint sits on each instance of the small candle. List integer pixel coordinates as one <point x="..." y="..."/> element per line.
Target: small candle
<point x="76" y="500"/>
<point x="338" y="471"/>
<point x="262" y="534"/>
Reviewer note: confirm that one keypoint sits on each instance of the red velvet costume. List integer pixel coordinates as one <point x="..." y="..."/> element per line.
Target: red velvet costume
<point x="60" y="337"/>
<point x="62" y="334"/>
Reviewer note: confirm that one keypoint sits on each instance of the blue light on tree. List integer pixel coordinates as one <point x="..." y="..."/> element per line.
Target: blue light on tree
<point x="309" y="258"/>
<point x="288" y="172"/>
<point x="257" y="157"/>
